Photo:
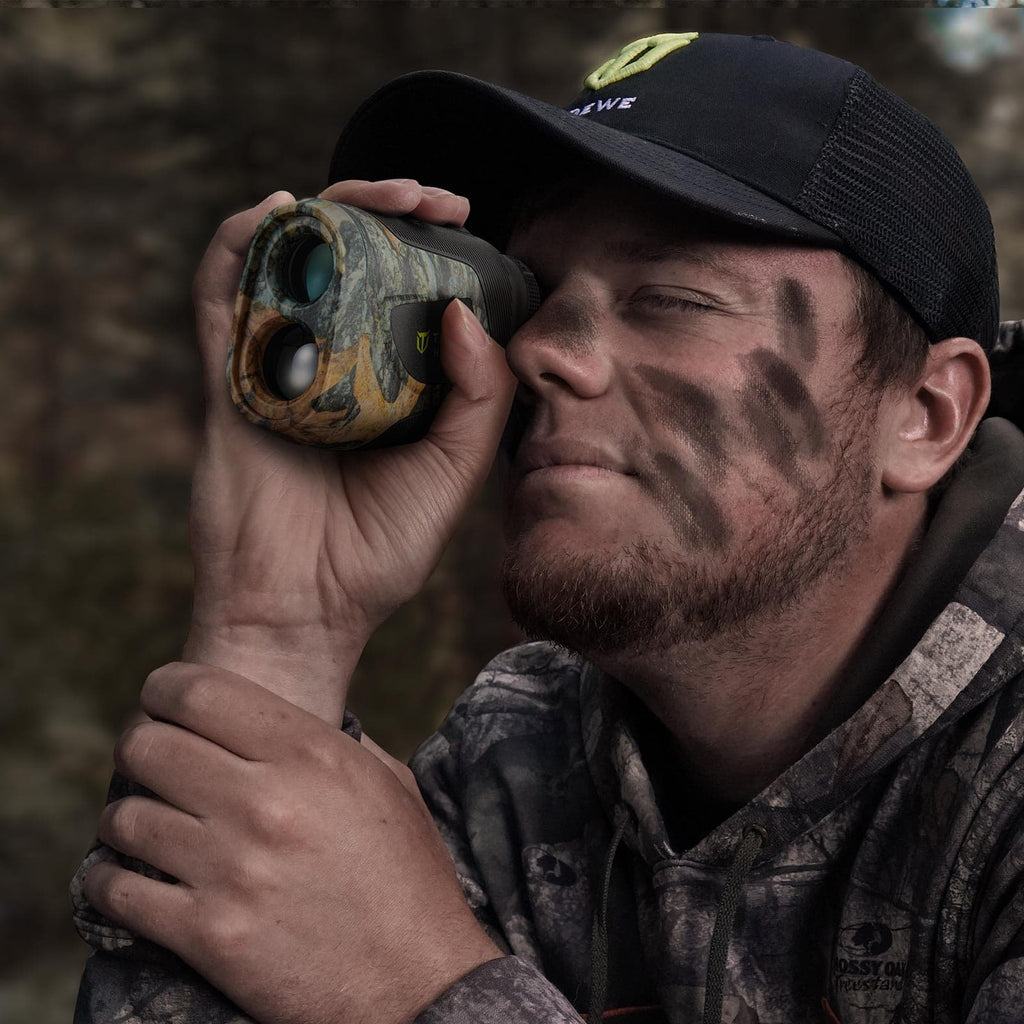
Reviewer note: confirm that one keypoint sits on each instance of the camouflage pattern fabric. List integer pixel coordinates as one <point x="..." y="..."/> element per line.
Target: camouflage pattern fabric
<point x="890" y="889"/>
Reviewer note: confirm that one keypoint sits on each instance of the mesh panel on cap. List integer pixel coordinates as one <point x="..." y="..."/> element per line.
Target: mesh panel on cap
<point x="891" y="185"/>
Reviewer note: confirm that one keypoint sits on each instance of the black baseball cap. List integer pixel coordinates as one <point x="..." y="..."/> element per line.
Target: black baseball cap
<point x="777" y="137"/>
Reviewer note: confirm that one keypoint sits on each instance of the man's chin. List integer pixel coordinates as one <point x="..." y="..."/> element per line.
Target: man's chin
<point x="598" y="603"/>
<point x="585" y="530"/>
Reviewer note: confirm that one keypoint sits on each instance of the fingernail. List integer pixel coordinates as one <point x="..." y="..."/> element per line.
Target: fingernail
<point x="470" y="321"/>
<point x="431" y="190"/>
<point x="465" y="315"/>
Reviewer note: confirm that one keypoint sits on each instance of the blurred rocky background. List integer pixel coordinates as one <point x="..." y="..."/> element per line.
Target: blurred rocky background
<point x="125" y="137"/>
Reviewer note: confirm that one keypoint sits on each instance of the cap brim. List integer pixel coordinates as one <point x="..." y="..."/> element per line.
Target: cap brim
<point x="497" y="147"/>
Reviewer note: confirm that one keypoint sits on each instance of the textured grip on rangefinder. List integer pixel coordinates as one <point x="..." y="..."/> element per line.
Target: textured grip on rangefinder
<point x="508" y="288"/>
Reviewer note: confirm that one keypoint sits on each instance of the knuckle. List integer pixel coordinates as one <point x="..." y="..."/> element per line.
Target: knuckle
<point x="115" y="894"/>
<point x="109" y="890"/>
<point x="193" y="695"/>
<point x="156" y="676"/>
<point x="276" y="815"/>
<point x="223" y="928"/>
<point x="133" y="746"/>
<point x="177" y="690"/>
<point x="163" y="681"/>
<point x="403" y="193"/>
<point x="226" y="230"/>
<point x="253" y="874"/>
<point x="323" y="752"/>
<point x="119" y="823"/>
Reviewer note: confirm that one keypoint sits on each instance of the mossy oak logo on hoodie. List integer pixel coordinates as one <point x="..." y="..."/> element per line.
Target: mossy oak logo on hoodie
<point x="545" y="866"/>
<point x="862" y="964"/>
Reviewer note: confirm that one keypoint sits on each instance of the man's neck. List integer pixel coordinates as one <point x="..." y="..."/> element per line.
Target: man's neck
<point x="745" y="704"/>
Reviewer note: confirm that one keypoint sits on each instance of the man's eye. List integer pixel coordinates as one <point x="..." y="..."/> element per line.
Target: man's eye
<point x="670" y="301"/>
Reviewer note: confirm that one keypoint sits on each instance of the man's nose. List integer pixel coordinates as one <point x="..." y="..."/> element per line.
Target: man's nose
<point x="560" y="348"/>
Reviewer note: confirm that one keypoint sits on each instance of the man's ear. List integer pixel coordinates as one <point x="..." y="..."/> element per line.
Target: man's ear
<point x="934" y="419"/>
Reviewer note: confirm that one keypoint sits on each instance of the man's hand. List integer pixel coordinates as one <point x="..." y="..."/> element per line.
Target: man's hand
<point x="313" y="884"/>
<point x="300" y="553"/>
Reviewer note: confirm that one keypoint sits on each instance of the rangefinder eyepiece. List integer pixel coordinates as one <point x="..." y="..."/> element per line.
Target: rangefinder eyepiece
<point x="336" y="337"/>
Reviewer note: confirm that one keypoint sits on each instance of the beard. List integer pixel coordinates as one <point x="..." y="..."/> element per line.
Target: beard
<point x="649" y="596"/>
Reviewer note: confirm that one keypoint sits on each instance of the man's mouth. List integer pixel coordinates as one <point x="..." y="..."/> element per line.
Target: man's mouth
<point x="566" y="454"/>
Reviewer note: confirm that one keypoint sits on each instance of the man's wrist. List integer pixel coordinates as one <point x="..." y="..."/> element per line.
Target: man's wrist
<point x="309" y="666"/>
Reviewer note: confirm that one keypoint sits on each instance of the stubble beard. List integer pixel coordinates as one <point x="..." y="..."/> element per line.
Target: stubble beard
<point x="647" y="596"/>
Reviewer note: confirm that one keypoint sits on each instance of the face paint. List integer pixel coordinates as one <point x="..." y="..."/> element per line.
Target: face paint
<point x="795" y="310"/>
<point x="695" y="516"/>
<point x="779" y="378"/>
<point x="691" y="411"/>
<point x="769" y="433"/>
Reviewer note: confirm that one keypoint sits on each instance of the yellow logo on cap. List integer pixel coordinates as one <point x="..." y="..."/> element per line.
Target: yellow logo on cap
<point x="636" y="57"/>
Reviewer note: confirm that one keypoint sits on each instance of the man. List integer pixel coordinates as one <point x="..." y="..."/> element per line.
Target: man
<point x="763" y="764"/>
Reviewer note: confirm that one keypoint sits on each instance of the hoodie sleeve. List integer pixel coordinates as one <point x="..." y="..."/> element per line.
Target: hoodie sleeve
<point x="506" y="990"/>
<point x="130" y="980"/>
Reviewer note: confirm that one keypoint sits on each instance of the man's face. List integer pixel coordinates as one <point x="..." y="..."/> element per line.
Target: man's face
<point x="698" y="449"/>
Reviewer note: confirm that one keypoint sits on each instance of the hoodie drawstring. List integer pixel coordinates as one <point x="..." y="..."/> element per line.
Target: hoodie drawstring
<point x="754" y="838"/>
<point x="599" y="931"/>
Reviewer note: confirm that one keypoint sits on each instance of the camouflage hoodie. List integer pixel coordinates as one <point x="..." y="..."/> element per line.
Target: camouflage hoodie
<point x="879" y="879"/>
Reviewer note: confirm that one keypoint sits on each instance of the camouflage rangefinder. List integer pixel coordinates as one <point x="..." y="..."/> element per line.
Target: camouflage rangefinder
<point x="336" y="337"/>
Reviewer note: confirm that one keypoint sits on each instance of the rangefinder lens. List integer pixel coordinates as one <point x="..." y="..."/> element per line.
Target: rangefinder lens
<point x="290" y="362"/>
<point x="310" y="269"/>
<point x="319" y="270"/>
